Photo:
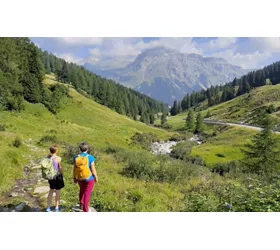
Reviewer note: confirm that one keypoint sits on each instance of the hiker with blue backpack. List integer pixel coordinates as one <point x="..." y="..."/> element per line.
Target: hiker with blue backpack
<point x="53" y="172"/>
<point x="84" y="173"/>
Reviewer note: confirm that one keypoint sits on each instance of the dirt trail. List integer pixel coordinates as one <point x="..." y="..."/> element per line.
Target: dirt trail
<point x="29" y="193"/>
<point x="21" y="197"/>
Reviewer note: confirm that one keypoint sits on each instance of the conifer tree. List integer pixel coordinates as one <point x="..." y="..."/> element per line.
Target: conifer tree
<point x="190" y="121"/>
<point x="174" y="109"/>
<point x="163" y="119"/>
<point x="199" y="127"/>
<point x="262" y="156"/>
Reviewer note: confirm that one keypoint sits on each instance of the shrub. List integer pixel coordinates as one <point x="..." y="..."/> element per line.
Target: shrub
<point x="271" y="109"/>
<point x="196" y="202"/>
<point x="165" y="169"/>
<point x="196" y="160"/>
<point x="223" y="168"/>
<point x="166" y="126"/>
<point x="53" y="95"/>
<point x="139" y="166"/>
<point x="177" y="171"/>
<point x="70" y="151"/>
<point x="48" y="139"/>
<point x="17" y="142"/>
<point x="182" y="150"/>
<point x="51" y="131"/>
<point x="144" y="140"/>
<point x="111" y="149"/>
<point x="251" y="195"/>
<point x="2" y="127"/>
<point x="181" y="137"/>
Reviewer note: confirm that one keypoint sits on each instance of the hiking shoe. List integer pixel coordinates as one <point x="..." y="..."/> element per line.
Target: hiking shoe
<point x="48" y="209"/>
<point x="56" y="210"/>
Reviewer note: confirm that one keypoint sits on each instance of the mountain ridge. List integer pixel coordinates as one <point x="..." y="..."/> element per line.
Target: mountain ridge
<point x="167" y="74"/>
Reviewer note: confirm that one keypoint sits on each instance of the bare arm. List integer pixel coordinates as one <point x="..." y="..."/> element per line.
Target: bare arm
<point x="60" y="166"/>
<point x="93" y="169"/>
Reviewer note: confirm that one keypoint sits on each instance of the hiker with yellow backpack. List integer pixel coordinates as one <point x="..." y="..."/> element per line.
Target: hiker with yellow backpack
<point x="84" y="173"/>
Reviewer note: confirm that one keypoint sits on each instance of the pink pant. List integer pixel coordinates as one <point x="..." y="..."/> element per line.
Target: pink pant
<point x="86" y="188"/>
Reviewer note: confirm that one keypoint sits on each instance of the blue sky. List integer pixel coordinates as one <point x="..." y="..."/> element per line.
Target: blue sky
<point x="108" y="53"/>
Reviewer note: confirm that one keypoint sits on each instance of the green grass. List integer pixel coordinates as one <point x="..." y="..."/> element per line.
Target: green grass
<point x="227" y="145"/>
<point x="114" y="192"/>
<point x="82" y="119"/>
<point x="224" y="147"/>
<point x="241" y="108"/>
<point x="238" y="109"/>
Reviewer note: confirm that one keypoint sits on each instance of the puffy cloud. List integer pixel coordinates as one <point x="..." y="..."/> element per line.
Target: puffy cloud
<point x="247" y="61"/>
<point x="117" y="52"/>
<point x="79" y="41"/>
<point x="221" y="43"/>
<point x="266" y="44"/>
<point x="184" y="45"/>
<point x="70" y="58"/>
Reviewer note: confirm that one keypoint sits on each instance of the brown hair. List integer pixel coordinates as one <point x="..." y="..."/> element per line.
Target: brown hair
<point x="84" y="147"/>
<point x="53" y="149"/>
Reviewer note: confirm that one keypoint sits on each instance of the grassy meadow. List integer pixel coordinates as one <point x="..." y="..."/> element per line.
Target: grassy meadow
<point x="82" y="119"/>
<point x="178" y="184"/>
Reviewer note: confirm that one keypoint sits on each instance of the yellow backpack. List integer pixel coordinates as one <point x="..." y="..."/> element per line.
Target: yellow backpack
<point x="82" y="171"/>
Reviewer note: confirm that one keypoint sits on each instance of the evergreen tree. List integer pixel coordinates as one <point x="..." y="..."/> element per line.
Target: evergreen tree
<point x="74" y="79"/>
<point x="199" y="127"/>
<point x="163" y="118"/>
<point x="190" y="121"/>
<point x="58" y="68"/>
<point x="120" y="106"/>
<point x="263" y="154"/>
<point x="174" y="110"/>
<point x="23" y="65"/>
<point x="52" y="63"/>
<point x="63" y="74"/>
<point x="145" y="118"/>
<point x="152" y="118"/>
<point x="241" y="90"/>
<point x="47" y="65"/>
<point x="179" y="107"/>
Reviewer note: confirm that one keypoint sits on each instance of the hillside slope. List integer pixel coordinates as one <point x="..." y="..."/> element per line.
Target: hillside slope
<point x="79" y="119"/>
<point x="243" y="108"/>
<point x="226" y="146"/>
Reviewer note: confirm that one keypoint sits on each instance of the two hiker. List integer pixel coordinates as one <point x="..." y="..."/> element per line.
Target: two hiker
<point x="84" y="173"/>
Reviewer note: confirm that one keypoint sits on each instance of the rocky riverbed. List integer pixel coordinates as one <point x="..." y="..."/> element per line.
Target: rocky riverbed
<point x="160" y="148"/>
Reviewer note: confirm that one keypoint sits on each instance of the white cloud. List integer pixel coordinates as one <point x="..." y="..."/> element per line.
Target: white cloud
<point x="268" y="44"/>
<point x="247" y="61"/>
<point x="118" y="52"/>
<point x="69" y="58"/>
<point x="185" y="45"/>
<point x="78" y="41"/>
<point x="221" y="43"/>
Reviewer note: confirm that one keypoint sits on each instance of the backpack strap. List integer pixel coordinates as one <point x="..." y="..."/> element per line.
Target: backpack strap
<point x="87" y="155"/>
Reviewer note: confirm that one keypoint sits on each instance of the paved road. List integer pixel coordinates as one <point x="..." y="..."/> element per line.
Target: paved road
<point x="235" y="125"/>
